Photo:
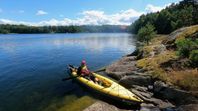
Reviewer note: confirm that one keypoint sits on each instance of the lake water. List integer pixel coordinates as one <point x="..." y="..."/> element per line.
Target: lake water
<point x="32" y="66"/>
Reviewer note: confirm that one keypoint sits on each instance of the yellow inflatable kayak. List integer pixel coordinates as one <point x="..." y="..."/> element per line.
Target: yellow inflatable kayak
<point x="113" y="89"/>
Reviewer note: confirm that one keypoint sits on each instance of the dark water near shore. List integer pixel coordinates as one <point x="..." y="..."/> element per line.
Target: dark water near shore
<point x="32" y="66"/>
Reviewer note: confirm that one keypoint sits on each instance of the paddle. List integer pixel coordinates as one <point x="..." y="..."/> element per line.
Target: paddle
<point x="68" y="78"/>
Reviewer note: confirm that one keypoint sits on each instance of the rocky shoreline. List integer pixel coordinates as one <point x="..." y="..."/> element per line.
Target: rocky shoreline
<point x="157" y="94"/>
<point x="147" y="73"/>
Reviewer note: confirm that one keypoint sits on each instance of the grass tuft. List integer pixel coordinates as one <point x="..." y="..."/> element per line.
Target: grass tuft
<point x="186" y="79"/>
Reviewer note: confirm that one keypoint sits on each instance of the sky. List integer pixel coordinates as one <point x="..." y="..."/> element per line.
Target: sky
<point x="77" y="12"/>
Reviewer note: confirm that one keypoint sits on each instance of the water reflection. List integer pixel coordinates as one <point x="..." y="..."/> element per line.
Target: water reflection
<point x="91" y="42"/>
<point x="97" y="43"/>
<point x="10" y="48"/>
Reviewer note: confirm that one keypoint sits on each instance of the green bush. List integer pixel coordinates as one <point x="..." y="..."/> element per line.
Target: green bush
<point x="185" y="46"/>
<point x="146" y="33"/>
<point x="188" y="48"/>
<point x="194" y="57"/>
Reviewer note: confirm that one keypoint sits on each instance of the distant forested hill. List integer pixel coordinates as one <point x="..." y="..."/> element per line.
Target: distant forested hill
<point x="104" y="28"/>
<point x="175" y="16"/>
<point x="22" y="29"/>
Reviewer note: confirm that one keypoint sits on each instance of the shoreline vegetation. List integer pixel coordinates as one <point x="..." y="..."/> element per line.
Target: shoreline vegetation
<point x="163" y="70"/>
<point x="173" y="17"/>
<point x="24" y="29"/>
<point x="157" y="74"/>
<point x="164" y="58"/>
<point x="173" y="57"/>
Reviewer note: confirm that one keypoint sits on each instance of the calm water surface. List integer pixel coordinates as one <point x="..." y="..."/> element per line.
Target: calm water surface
<point x="32" y="66"/>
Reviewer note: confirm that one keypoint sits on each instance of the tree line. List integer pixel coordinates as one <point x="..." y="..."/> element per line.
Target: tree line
<point x="184" y="13"/>
<point x="22" y="29"/>
<point x="175" y="16"/>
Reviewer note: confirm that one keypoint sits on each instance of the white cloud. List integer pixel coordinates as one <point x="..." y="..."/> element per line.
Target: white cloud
<point x="95" y="17"/>
<point x="41" y="12"/>
<point x="152" y="8"/>
<point x="7" y="21"/>
<point x="89" y="17"/>
<point x="92" y="17"/>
